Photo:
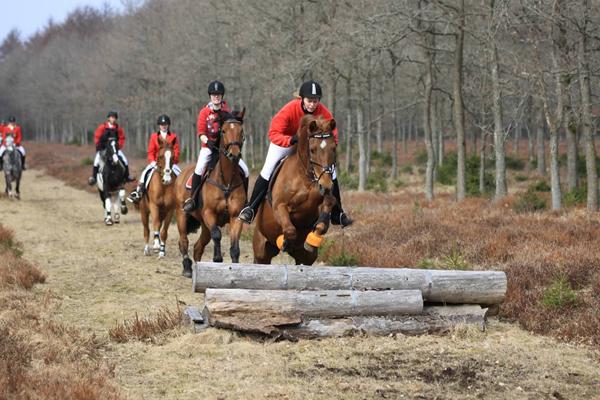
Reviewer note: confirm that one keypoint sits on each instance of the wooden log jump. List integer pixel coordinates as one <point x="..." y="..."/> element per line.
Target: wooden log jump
<point x="443" y="286"/>
<point x="266" y="310"/>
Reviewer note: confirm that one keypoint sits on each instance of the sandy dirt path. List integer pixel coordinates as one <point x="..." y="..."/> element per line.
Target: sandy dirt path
<point x="97" y="275"/>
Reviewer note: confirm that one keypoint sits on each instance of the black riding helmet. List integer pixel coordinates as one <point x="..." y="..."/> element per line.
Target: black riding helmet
<point x="163" y="120"/>
<point x="112" y="114"/>
<point x="311" y="89"/>
<point x="216" y="87"/>
<point x="12" y="119"/>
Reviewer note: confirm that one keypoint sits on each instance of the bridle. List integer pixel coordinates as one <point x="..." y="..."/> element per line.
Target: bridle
<point x="326" y="169"/>
<point x="227" y="147"/>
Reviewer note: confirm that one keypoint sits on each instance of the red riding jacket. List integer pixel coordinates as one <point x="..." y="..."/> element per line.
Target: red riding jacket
<point x="208" y="121"/>
<point x="286" y="122"/>
<point x="15" y="132"/>
<point x="103" y="127"/>
<point x="153" y="146"/>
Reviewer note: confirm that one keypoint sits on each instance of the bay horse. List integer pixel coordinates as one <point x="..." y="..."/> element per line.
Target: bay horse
<point x="12" y="167"/>
<point x="110" y="182"/>
<point x="222" y="197"/>
<point x="296" y="213"/>
<point x="159" y="200"/>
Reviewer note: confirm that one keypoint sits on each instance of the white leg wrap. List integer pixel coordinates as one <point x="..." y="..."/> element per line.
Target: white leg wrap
<point x="274" y="154"/>
<point x="203" y="159"/>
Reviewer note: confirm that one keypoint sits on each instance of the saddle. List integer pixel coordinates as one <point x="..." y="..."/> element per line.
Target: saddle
<point x="274" y="176"/>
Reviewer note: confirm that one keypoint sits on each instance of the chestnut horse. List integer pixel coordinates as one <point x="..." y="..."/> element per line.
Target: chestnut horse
<point x="223" y="196"/>
<point x="297" y="211"/>
<point x="159" y="200"/>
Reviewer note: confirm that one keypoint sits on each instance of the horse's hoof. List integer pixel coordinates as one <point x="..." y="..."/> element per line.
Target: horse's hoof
<point x="186" y="273"/>
<point x="161" y="254"/>
<point x="124" y="210"/>
<point x="108" y="221"/>
<point x="146" y="250"/>
<point x="218" y="259"/>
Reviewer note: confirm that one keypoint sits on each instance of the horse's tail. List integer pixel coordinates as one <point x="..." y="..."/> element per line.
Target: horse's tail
<point x="191" y="224"/>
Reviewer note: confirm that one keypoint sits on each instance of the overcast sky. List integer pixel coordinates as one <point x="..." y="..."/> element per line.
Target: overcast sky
<point x="29" y="16"/>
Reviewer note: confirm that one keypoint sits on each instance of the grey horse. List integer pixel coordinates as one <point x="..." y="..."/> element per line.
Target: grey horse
<point x="12" y="167"/>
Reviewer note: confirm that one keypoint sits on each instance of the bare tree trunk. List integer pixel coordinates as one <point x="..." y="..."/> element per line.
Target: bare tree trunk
<point x="427" y="100"/>
<point x="570" y="127"/>
<point x="501" y="189"/>
<point x="459" y="112"/>
<point x="530" y="129"/>
<point x="482" y="157"/>
<point x="434" y="124"/>
<point x="586" y="105"/>
<point x="541" y="145"/>
<point x="362" y="149"/>
<point x="396" y="126"/>
<point x="348" y="160"/>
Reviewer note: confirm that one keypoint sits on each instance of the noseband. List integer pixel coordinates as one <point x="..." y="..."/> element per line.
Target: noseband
<point x="326" y="169"/>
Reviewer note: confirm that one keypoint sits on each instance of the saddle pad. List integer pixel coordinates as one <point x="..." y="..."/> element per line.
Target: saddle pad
<point x="274" y="176"/>
<point x="148" y="177"/>
<point x="188" y="182"/>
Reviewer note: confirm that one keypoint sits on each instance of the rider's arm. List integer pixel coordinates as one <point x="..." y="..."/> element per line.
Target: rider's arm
<point x="280" y="129"/>
<point x="152" y="149"/>
<point x="201" y="124"/>
<point x="175" y="149"/>
<point x="98" y="135"/>
<point x="121" y="134"/>
<point x="18" y="136"/>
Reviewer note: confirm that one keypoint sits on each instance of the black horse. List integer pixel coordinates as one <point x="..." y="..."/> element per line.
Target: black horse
<point x="13" y="168"/>
<point x="110" y="182"/>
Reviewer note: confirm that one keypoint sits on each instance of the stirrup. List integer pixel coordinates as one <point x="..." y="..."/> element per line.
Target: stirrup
<point x="246" y="215"/>
<point x="134" y="197"/>
<point x="189" y="205"/>
<point x="92" y="180"/>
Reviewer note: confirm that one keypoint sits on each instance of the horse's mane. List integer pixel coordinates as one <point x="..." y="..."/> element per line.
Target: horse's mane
<point x="233" y="115"/>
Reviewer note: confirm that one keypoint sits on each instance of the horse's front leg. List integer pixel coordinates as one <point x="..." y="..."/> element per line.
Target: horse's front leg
<point x="107" y="208"/>
<point x="145" y="214"/>
<point x="164" y="232"/>
<point x="282" y="216"/>
<point x="184" y="242"/>
<point x="315" y="238"/>
<point x="235" y="231"/>
<point x="18" y="188"/>
<point x="210" y="220"/>
<point x="155" y="215"/>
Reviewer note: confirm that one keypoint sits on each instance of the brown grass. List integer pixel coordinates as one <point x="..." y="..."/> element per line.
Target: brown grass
<point x="147" y="328"/>
<point x="42" y="359"/>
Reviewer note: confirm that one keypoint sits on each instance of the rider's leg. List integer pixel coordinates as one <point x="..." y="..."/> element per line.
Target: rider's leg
<point x="338" y="216"/>
<point x="2" y="149"/>
<point x="261" y="186"/>
<point x="121" y="155"/>
<point x="92" y="179"/>
<point x="22" y="151"/>
<point x="137" y="194"/>
<point x="203" y="159"/>
<point x="246" y="172"/>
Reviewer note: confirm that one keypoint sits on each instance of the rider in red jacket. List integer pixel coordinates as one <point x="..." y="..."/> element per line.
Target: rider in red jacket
<point x="14" y="130"/>
<point x="164" y="123"/>
<point x="209" y="129"/>
<point x="284" y="127"/>
<point x="107" y="129"/>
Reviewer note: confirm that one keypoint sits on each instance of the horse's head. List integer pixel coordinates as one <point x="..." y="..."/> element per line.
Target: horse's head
<point x="165" y="157"/>
<point x="9" y="143"/>
<point x="315" y="137"/>
<point x="232" y="134"/>
<point x="112" y="150"/>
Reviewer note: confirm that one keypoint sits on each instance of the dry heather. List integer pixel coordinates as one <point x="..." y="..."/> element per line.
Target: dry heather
<point x="536" y="250"/>
<point x="42" y="359"/>
<point x="147" y="328"/>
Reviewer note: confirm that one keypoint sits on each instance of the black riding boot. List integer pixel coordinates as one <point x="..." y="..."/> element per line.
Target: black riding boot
<point x="338" y="216"/>
<point x="245" y="182"/>
<point x="23" y="162"/>
<point x="258" y="194"/>
<point x="92" y="179"/>
<point x="190" y="204"/>
<point x="128" y="178"/>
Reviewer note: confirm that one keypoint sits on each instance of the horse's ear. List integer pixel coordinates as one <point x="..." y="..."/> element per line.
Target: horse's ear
<point x="313" y="126"/>
<point x="332" y="125"/>
<point x="241" y="114"/>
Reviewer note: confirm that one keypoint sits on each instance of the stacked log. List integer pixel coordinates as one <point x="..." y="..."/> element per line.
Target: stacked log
<point x="306" y="302"/>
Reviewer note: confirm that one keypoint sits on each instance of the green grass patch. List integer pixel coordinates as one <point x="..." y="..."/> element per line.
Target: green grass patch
<point x="529" y="201"/>
<point x="559" y="295"/>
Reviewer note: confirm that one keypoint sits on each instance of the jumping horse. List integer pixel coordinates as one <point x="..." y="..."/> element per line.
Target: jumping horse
<point x="222" y="197"/>
<point x="159" y="200"/>
<point x="296" y="213"/>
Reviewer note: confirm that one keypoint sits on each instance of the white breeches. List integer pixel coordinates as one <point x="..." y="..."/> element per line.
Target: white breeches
<point x="274" y="155"/>
<point x="119" y="153"/>
<point x="174" y="167"/>
<point x="205" y="156"/>
<point x="20" y="148"/>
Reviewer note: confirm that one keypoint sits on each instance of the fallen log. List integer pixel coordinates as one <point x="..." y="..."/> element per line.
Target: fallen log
<point x="440" y="286"/>
<point x="265" y="310"/>
<point x="435" y="320"/>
